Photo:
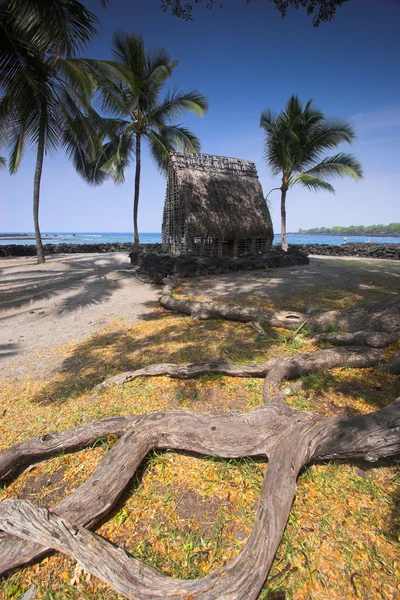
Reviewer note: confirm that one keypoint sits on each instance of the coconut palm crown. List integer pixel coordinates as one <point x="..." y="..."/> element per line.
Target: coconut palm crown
<point x="130" y="87"/>
<point x="296" y="141"/>
<point x="42" y="92"/>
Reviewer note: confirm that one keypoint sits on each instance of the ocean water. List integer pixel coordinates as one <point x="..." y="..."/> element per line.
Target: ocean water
<point x="155" y="238"/>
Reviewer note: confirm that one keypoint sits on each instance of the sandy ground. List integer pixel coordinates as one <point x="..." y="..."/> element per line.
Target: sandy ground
<point x="71" y="297"/>
<point x="322" y="271"/>
<point x="68" y="298"/>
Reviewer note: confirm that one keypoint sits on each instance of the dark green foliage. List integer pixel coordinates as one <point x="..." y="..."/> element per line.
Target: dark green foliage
<point x="393" y="229"/>
<point x="130" y="87"/>
<point x="42" y="91"/>
<point x="296" y="140"/>
<point x="295" y="143"/>
<point x="319" y="10"/>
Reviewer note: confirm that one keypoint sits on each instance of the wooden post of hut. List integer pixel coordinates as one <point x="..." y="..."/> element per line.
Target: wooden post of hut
<point x="214" y="205"/>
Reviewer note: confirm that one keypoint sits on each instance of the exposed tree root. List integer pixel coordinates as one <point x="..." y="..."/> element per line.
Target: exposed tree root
<point x="394" y="365"/>
<point x="302" y="364"/>
<point x="372" y="339"/>
<point x="26" y="453"/>
<point x="289" y="438"/>
<point x="382" y="317"/>
<point x="357" y="357"/>
<point x="188" y="371"/>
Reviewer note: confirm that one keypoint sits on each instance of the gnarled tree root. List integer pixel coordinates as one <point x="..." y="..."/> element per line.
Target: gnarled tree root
<point x="372" y="339"/>
<point x="357" y="357"/>
<point x="382" y="317"/>
<point x="290" y="439"/>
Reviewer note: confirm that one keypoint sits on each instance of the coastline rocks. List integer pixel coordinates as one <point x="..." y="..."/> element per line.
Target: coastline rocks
<point x="277" y="259"/>
<point x="30" y="249"/>
<point x="388" y="251"/>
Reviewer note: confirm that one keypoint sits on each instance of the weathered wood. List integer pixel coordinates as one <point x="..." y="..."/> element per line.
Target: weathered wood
<point x="30" y="451"/>
<point x="302" y="364"/>
<point x="372" y="339"/>
<point x="393" y="366"/>
<point x="290" y="439"/>
<point x="294" y="438"/>
<point x="188" y="371"/>
<point x="299" y="365"/>
<point x="204" y="433"/>
<point x="89" y="502"/>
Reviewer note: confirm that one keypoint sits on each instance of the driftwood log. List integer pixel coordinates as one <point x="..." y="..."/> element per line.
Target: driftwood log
<point x="288" y="438"/>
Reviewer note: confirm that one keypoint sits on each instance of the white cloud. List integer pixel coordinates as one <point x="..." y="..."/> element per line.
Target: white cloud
<point x="379" y="119"/>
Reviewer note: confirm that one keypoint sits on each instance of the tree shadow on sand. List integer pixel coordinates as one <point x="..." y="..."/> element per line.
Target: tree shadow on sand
<point x="7" y="350"/>
<point x="86" y="283"/>
<point x="174" y="340"/>
<point x="376" y="388"/>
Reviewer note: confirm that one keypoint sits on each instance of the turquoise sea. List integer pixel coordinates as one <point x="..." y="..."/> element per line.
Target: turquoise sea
<point x="154" y="238"/>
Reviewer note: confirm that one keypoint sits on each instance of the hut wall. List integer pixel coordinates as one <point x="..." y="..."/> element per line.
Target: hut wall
<point x="198" y="246"/>
<point x="196" y="176"/>
<point x="173" y="226"/>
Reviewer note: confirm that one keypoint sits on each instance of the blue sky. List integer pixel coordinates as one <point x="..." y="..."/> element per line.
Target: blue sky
<point x="245" y="58"/>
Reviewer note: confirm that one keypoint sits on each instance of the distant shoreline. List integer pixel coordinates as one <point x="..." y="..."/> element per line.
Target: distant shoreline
<point x="31" y="236"/>
<point x="381" y="235"/>
<point x="26" y="236"/>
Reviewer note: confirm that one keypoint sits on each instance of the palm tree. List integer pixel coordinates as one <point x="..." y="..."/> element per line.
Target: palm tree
<point x="130" y="87"/>
<point x="296" y="141"/>
<point x="41" y="90"/>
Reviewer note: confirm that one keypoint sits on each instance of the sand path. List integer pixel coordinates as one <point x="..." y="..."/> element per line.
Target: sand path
<point x="70" y="297"/>
<point x="66" y="299"/>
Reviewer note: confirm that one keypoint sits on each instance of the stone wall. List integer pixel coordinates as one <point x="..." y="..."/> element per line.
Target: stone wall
<point x="388" y="251"/>
<point x="30" y="249"/>
<point x="158" y="266"/>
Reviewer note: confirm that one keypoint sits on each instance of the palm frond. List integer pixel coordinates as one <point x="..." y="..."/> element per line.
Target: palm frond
<point x="340" y="165"/>
<point x="129" y="51"/>
<point x="180" y="138"/>
<point x="176" y="102"/>
<point x="268" y="121"/>
<point x="17" y="150"/>
<point x="159" y="66"/>
<point x="58" y="26"/>
<point x="121" y="157"/>
<point x="77" y="80"/>
<point x="159" y="149"/>
<point x="324" y="136"/>
<point x="312" y="183"/>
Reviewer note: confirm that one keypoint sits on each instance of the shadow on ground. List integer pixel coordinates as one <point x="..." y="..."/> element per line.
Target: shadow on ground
<point x="171" y="339"/>
<point x="87" y="281"/>
<point x="7" y="350"/>
<point x="328" y="284"/>
<point x="330" y="390"/>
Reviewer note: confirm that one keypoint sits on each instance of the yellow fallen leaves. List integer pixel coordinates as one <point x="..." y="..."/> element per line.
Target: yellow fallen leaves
<point x="189" y="516"/>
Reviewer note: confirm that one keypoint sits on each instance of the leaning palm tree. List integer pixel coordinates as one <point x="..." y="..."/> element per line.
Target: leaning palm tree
<point x="296" y="141"/>
<point x="42" y="92"/>
<point x="130" y="88"/>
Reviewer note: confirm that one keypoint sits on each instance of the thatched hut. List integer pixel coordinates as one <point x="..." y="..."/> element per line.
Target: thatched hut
<point x="214" y="206"/>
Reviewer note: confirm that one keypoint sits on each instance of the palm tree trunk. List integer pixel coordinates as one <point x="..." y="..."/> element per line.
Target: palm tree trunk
<point x="36" y="196"/>
<point x="137" y="187"/>
<point x="284" y="244"/>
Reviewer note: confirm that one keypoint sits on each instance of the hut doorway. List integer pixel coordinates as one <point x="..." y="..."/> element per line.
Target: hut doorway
<point x="228" y="247"/>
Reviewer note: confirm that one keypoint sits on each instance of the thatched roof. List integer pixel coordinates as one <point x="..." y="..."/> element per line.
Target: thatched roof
<point x="222" y="197"/>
